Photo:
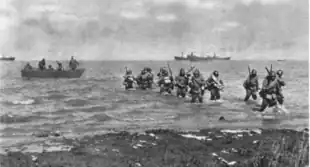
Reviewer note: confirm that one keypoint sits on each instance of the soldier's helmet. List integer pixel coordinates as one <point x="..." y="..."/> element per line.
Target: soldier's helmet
<point x="216" y="73"/>
<point x="196" y="72"/>
<point x="254" y="72"/>
<point x="280" y="73"/>
<point x="129" y="72"/>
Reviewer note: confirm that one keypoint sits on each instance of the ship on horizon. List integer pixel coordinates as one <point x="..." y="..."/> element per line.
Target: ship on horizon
<point x="4" y="58"/>
<point x="192" y="57"/>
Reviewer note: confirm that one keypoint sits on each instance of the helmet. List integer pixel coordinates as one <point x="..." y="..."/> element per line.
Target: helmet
<point x="216" y="73"/>
<point x="272" y="75"/>
<point x="129" y="72"/>
<point x="196" y="72"/>
<point x="280" y="73"/>
<point x="254" y="72"/>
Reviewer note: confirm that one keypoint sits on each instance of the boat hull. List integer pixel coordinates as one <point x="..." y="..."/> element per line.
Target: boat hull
<point x="180" y="58"/>
<point x="7" y="58"/>
<point x="196" y="58"/>
<point x="52" y="74"/>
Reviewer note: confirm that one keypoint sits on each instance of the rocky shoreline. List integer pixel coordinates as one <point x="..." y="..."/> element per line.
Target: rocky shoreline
<point x="208" y="147"/>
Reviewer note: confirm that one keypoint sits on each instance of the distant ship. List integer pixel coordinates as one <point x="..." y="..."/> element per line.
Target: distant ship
<point x="2" y="58"/>
<point x="281" y="60"/>
<point x="180" y="57"/>
<point x="192" y="57"/>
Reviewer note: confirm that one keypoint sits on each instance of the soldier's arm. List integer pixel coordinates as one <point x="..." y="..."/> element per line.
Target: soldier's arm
<point x="257" y="84"/>
<point x="281" y="82"/>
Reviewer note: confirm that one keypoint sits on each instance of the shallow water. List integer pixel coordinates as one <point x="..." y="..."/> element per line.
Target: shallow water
<point x="97" y="103"/>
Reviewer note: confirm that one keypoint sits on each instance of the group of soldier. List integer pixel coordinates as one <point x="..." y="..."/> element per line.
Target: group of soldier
<point x="42" y="65"/>
<point x="195" y="84"/>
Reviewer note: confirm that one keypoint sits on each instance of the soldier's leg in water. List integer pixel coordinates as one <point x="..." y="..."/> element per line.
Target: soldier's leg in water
<point x="183" y="94"/>
<point x="264" y="105"/>
<point x="212" y="94"/>
<point x="200" y="98"/>
<point x="254" y="95"/>
<point x="280" y="98"/>
<point x="178" y="92"/>
<point x="247" y="95"/>
<point x="194" y="97"/>
<point x="217" y="94"/>
<point x="161" y="89"/>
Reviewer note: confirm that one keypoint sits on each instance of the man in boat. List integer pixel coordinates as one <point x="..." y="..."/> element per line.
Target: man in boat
<point x="42" y="64"/>
<point x="165" y="82"/>
<point x="197" y="85"/>
<point x="251" y="85"/>
<point x="269" y="91"/>
<point x="182" y="83"/>
<point x="60" y="68"/>
<point x="129" y="80"/>
<point x="215" y="85"/>
<point x="73" y="63"/>
<point x="28" y="67"/>
<point x="281" y="83"/>
<point x="50" y="68"/>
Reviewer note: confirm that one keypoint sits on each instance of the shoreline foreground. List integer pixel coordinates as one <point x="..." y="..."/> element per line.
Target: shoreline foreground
<point x="208" y="147"/>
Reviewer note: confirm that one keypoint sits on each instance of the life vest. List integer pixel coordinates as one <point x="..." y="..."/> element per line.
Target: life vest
<point x="167" y="80"/>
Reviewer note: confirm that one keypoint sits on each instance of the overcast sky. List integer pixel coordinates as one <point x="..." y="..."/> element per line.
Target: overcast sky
<point x="153" y="29"/>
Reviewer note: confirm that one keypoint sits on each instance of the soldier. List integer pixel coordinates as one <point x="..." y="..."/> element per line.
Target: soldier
<point x="73" y="63"/>
<point x="181" y="83"/>
<point x="251" y="86"/>
<point x="165" y="82"/>
<point x="215" y="85"/>
<point x="197" y="84"/>
<point x="281" y="83"/>
<point x="42" y="64"/>
<point x="269" y="91"/>
<point x="129" y="80"/>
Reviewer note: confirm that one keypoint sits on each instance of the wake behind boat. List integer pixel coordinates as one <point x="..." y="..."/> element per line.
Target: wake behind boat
<point x="37" y="73"/>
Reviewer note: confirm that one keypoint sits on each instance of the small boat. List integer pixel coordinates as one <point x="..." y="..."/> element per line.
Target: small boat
<point x="7" y="58"/>
<point x="281" y="60"/>
<point x="36" y="73"/>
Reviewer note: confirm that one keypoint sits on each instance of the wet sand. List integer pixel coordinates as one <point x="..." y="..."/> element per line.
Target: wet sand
<point x="207" y="147"/>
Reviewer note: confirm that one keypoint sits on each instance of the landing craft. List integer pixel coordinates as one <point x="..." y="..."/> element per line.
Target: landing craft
<point x="36" y="73"/>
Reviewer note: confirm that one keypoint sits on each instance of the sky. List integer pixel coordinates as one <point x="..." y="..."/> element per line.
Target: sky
<point x="153" y="29"/>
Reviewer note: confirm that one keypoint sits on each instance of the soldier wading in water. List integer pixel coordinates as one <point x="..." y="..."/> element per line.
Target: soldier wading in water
<point x="197" y="85"/>
<point x="165" y="82"/>
<point x="251" y="85"/>
<point x="215" y="85"/>
<point x="129" y="80"/>
<point x="269" y="91"/>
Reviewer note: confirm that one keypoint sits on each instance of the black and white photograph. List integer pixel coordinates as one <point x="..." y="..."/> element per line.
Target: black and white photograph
<point x="154" y="83"/>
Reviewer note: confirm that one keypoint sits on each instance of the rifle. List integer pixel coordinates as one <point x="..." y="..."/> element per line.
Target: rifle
<point x="191" y="69"/>
<point x="269" y="70"/>
<point x="170" y="71"/>
<point x="249" y="69"/>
